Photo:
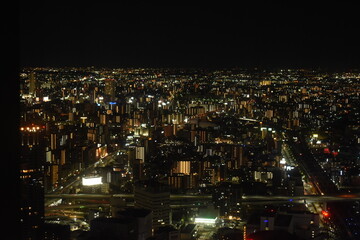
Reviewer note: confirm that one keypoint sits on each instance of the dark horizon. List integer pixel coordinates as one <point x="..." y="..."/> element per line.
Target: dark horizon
<point x="115" y="35"/>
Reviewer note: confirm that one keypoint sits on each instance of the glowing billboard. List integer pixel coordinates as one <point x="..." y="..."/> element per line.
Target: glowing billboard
<point x="205" y="220"/>
<point x="91" y="181"/>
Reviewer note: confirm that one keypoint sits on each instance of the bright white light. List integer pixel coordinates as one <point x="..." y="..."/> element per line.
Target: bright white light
<point x="283" y="161"/>
<point x="56" y="203"/>
<point x="205" y="220"/>
<point x="289" y="168"/>
<point x="91" y="181"/>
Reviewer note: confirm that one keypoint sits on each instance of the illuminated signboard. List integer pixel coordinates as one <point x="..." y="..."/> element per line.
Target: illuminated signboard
<point x="205" y="220"/>
<point x="91" y="181"/>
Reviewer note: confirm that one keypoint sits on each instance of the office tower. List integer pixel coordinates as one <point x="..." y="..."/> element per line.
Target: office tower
<point x="32" y="191"/>
<point x="140" y="153"/>
<point x="31" y="201"/>
<point x="182" y="167"/>
<point x="110" y="85"/>
<point x="32" y="159"/>
<point x="32" y="84"/>
<point x="238" y="156"/>
<point x="154" y="196"/>
<point x="137" y="169"/>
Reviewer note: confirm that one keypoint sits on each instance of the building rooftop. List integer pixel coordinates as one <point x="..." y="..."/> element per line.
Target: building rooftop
<point x="188" y="228"/>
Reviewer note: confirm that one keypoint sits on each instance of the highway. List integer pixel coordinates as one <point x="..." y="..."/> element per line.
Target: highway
<point x="321" y="181"/>
<point x="197" y="198"/>
<point x="75" y="180"/>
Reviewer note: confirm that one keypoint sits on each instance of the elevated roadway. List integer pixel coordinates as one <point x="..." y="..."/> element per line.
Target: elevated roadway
<point x="197" y="198"/>
<point x="321" y="181"/>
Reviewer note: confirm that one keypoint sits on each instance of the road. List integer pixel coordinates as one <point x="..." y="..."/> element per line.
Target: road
<point x="321" y="181"/>
<point x="75" y="180"/>
<point x="197" y="198"/>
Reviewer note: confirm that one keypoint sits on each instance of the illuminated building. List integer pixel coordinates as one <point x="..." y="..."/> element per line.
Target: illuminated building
<point x="110" y="85"/>
<point x="227" y="197"/>
<point x="140" y="153"/>
<point x="32" y="84"/>
<point x="179" y="181"/>
<point x="238" y="156"/>
<point x="182" y="167"/>
<point x="137" y="168"/>
<point x="155" y="197"/>
<point x="32" y="159"/>
<point x="30" y="135"/>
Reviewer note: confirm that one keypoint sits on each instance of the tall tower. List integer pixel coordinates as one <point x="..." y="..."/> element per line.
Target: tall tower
<point x="110" y="85"/>
<point x="154" y="196"/>
<point x="32" y="159"/>
<point x="32" y="84"/>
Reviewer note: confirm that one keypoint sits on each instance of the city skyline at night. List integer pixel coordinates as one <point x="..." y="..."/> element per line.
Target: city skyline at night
<point x="158" y="122"/>
<point x="194" y="147"/>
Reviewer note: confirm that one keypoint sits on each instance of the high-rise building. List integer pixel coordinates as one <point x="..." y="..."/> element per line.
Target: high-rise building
<point x="140" y="153"/>
<point x="238" y="156"/>
<point x="110" y="85"/>
<point x="154" y="196"/>
<point x="182" y="167"/>
<point x="32" y="84"/>
<point x="32" y="159"/>
<point x="137" y="169"/>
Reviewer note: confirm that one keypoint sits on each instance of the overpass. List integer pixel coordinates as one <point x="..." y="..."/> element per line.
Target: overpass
<point x="197" y="198"/>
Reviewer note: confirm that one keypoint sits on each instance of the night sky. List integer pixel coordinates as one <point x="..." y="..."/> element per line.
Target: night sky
<point x="144" y="35"/>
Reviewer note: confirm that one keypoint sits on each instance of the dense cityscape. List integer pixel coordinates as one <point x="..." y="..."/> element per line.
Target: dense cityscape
<point x="180" y="154"/>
